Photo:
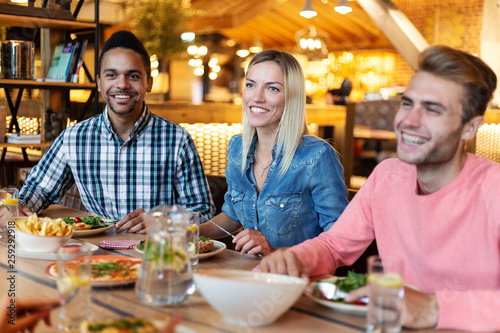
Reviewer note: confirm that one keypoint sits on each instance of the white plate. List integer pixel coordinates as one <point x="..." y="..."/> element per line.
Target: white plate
<point x="89" y="232"/>
<point x="218" y="248"/>
<point x="50" y="273"/>
<point x="352" y="309"/>
<point x="178" y="329"/>
<point x="22" y="253"/>
<point x="138" y="249"/>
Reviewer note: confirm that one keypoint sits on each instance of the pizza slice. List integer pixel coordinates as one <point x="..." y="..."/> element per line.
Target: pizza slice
<point x="122" y="325"/>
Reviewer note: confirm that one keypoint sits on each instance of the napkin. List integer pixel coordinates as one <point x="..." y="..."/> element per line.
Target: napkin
<point x="119" y="244"/>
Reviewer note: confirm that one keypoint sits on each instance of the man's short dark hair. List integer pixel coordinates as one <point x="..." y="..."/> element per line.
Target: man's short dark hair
<point x="126" y="40"/>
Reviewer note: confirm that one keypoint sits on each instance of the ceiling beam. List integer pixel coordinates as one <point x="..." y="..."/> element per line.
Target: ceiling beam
<point x="397" y="28"/>
<point x="230" y="21"/>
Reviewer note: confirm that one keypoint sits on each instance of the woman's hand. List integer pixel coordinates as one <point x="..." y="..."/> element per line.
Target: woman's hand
<point x="252" y="242"/>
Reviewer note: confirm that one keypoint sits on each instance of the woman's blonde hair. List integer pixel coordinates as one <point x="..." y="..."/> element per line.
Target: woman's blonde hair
<point x="293" y="123"/>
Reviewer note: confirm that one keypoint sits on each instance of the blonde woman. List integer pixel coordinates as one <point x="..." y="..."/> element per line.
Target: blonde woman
<point x="284" y="185"/>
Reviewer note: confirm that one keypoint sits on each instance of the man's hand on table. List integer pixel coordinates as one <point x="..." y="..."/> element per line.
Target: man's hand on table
<point x="24" y="210"/>
<point x="419" y="311"/>
<point x="5" y="215"/>
<point x="133" y="222"/>
<point x="286" y="262"/>
<point x="252" y="242"/>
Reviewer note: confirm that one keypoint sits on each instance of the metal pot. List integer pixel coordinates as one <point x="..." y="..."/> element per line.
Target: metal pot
<point x="17" y="59"/>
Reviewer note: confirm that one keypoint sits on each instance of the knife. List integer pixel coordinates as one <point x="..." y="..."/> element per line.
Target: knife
<point x="227" y="232"/>
<point x="221" y="228"/>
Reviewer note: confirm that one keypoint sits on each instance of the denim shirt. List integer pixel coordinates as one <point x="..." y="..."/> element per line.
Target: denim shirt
<point x="307" y="200"/>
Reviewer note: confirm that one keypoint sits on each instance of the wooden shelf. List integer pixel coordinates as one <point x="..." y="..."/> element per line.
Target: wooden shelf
<point x="37" y="22"/>
<point x="32" y="84"/>
<point x="25" y="145"/>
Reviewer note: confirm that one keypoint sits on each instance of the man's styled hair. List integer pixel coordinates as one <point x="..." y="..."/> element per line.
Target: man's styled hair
<point x="467" y="70"/>
<point x="126" y="40"/>
<point x="293" y="124"/>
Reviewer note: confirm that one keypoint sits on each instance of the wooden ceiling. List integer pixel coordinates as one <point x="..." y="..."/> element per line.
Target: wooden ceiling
<point x="275" y="23"/>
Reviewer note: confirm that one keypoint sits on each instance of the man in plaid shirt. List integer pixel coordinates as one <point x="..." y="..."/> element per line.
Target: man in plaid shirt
<point x="125" y="160"/>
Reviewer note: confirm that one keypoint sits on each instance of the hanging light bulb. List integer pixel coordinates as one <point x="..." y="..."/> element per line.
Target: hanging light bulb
<point x="242" y="52"/>
<point x="308" y="11"/>
<point x="257" y="46"/>
<point x="343" y="7"/>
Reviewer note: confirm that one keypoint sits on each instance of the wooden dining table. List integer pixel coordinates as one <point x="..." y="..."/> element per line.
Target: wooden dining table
<point x="197" y="315"/>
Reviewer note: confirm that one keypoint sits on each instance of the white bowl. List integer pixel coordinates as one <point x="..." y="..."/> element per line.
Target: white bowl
<point x="35" y="243"/>
<point x="248" y="298"/>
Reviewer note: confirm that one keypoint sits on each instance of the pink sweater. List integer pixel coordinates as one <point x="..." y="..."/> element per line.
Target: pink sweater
<point x="449" y="240"/>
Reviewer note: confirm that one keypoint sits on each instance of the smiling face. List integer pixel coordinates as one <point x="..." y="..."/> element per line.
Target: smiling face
<point x="123" y="81"/>
<point x="429" y="121"/>
<point x="264" y="95"/>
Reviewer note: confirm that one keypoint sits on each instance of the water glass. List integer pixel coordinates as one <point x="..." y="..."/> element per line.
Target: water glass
<point x="73" y="285"/>
<point x="10" y="208"/>
<point x="193" y="239"/>
<point x="386" y="295"/>
<point x="7" y="199"/>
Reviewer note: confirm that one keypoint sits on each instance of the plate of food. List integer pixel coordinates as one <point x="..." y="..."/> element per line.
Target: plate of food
<point x="22" y="253"/>
<point x="107" y="271"/>
<point x="89" y="225"/>
<point x="137" y="325"/>
<point x="207" y="247"/>
<point x="140" y="246"/>
<point x="330" y="292"/>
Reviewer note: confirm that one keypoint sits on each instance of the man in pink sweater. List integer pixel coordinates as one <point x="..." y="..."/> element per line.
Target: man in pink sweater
<point x="435" y="207"/>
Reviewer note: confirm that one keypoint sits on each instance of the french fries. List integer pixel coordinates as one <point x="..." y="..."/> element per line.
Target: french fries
<point x="50" y="228"/>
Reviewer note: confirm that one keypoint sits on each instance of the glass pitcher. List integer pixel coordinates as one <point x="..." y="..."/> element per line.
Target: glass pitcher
<point x="165" y="276"/>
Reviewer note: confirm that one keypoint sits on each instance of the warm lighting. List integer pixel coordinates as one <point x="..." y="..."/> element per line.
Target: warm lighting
<point x="199" y="71"/>
<point x="257" y="46"/>
<point x="343" y="7"/>
<point x="312" y="42"/>
<point x="216" y="69"/>
<point x="212" y="76"/>
<point x="192" y="49"/>
<point x="19" y="1"/>
<point x="242" y="53"/>
<point x="202" y="50"/>
<point x="195" y="62"/>
<point x="213" y="62"/>
<point x="230" y="43"/>
<point x="487" y="142"/>
<point x="188" y="37"/>
<point x="154" y="65"/>
<point x="308" y="11"/>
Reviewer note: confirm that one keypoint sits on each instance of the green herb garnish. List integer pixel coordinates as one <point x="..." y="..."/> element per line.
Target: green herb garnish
<point x="351" y="282"/>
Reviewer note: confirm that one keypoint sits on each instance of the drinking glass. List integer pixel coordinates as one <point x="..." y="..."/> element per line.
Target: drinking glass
<point x="386" y="295"/>
<point x="193" y="239"/>
<point x="10" y="208"/>
<point x="73" y="284"/>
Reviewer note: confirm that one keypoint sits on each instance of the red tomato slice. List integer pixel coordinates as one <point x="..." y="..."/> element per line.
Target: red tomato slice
<point x="77" y="219"/>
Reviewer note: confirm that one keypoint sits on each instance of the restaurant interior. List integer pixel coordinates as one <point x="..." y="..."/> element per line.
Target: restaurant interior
<point x="199" y="51"/>
<point x="198" y="80"/>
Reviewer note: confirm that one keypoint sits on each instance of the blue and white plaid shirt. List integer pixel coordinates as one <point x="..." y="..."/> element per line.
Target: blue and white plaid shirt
<point x="158" y="164"/>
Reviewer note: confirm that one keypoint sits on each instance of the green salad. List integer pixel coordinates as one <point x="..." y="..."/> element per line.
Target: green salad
<point x="351" y="282"/>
